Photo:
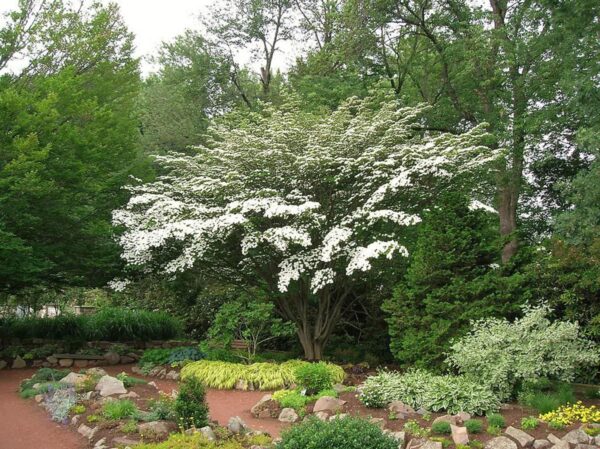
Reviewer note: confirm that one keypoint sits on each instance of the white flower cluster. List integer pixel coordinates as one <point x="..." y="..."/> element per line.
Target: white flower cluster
<point x="295" y="197"/>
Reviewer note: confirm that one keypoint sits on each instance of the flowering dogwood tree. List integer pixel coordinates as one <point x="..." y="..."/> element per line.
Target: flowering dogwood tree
<point x="299" y="205"/>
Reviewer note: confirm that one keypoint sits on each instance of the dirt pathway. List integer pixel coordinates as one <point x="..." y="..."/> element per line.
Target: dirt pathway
<point x="26" y="425"/>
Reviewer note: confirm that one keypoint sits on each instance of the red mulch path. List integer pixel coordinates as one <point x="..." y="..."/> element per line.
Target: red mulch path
<point x="26" y="425"/>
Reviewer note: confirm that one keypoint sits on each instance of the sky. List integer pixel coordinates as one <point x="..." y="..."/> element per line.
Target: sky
<point x="155" y="21"/>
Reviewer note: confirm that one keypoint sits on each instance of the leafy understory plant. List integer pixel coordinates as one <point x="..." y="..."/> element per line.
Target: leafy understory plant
<point x="299" y="205"/>
<point x="59" y="403"/>
<point x="119" y="409"/>
<point x="529" y="422"/>
<point x="503" y="354"/>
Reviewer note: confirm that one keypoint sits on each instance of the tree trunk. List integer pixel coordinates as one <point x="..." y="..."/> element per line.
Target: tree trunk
<point x="313" y="348"/>
<point x="508" y="221"/>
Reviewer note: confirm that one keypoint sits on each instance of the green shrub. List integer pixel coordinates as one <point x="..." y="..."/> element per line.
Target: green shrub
<point x="43" y="375"/>
<point x="181" y="354"/>
<point x="556" y="425"/>
<point x="494" y="430"/>
<point x="441" y="428"/>
<point x="496" y="420"/>
<point x="529" y="422"/>
<point x="162" y="408"/>
<point x="503" y="354"/>
<point x="547" y="397"/>
<point x="291" y="399"/>
<point x="314" y="377"/>
<point x="473" y="426"/>
<point x="476" y="444"/>
<point x="190" y="406"/>
<point x="119" y="409"/>
<point x="78" y="409"/>
<point x="262" y="376"/>
<point x="413" y="428"/>
<point x="343" y="433"/>
<point x="129" y="381"/>
<point x="419" y="388"/>
<point x="129" y="427"/>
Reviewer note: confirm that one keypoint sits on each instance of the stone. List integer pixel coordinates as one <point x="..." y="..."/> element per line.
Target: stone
<point x="125" y="359"/>
<point x="75" y="420"/>
<point x="39" y="398"/>
<point x="86" y="431"/>
<point x="37" y="363"/>
<point x="339" y="388"/>
<point x="162" y="373"/>
<point x="554" y="439"/>
<point x="172" y="375"/>
<point x="288" y="415"/>
<point x="541" y="444"/>
<point x="153" y="384"/>
<point x="328" y="403"/>
<point x="400" y="437"/>
<point x="52" y="360"/>
<point x="18" y="363"/>
<point x="585" y="446"/>
<point x="65" y="363"/>
<point x="155" y="429"/>
<point x="137" y="370"/>
<point x="463" y="416"/>
<point x="96" y="372"/>
<point x="577" y="436"/>
<point x="400" y="407"/>
<point x="266" y="407"/>
<point x="46" y="365"/>
<point x="452" y="420"/>
<point x="124" y="441"/>
<point x="100" y="443"/>
<point x="109" y="385"/>
<point x="597" y="441"/>
<point x="379" y="422"/>
<point x="338" y="416"/>
<point x="89" y="395"/>
<point x="208" y="433"/>
<point x="80" y="363"/>
<point x="459" y="435"/>
<point x="236" y="425"/>
<point x="3" y="364"/>
<point x="561" y="445"/>
<point x="501" y="443"/>
<point x="416" y="443"/>
<point x="112" y="358"/>
<point x="432" y="445"/>
<point x="421" y="411"/>
<point x="130" y="395"/>
<point x="523" y="438"/>
<point x="73" y="379"/>
<point x="323" y="416"/>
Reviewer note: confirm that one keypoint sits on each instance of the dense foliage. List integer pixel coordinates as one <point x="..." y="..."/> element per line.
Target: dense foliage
<point x="110" y="324"/>
<point x="435" y="393"/>
<point x="260" y="376"/>
<point x="190" y="405"/>
<point x="342" y="433"/>
<point x="503" y="354"/>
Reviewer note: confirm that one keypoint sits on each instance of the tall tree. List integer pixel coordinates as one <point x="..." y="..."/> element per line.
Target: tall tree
<point x="299" y="206"/>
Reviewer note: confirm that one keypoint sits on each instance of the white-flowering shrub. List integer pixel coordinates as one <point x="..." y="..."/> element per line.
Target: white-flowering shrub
<point x="419" y="388"/>
<point x="503" y="355"/>
<point x="301" y="204"/>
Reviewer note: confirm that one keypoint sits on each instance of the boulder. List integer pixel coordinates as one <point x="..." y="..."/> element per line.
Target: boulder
<point x="323" y="416"/>
<point x="73" y="379"/>
<point x="267" y="407"/>
<point x="52" y="360"/>
<point x="19" y="363"/>
<point x="125" y="359"/>
<point x="112" y="358"/>
<point x="153" y="384"/>
<point x="463" y="416"/>
<point x="416" y="443"/>
<point x="137" y="370"/>
<point x="124" y="441"/>
<point x="288" y="415"/>
<point x="541" y="444"/>
<point x="328" y="403"/>
<point x="452" y="420"/>
<point x="577" y="436"/>
<point x="561" y="445"/>
<point x="523" y="438"/>
<point x="585" y="446"/>
<point x="553" y="439"/>
<point x="432" y="445"/>
<point x="89" y="395"/>
<point x="208" y="433"/>
<point x="400" y="408"/>
<point x="236" y="425"/>
<point x="155" y="429"/>
<point x="501" y="443"/>
<point x="3" y="364"/>
<point x="100" y="443"/>
<point x="39" y="398"/>
<point x="379" y="422"/>
<point x="597" y="441"/>
<point x="75" y="420"/>
<point x="37" y="363"/>
<point x="459" y="435"/>
<point x="109" y="385"/>
<point x="172" y="375"/>
<point x="65" y="363"/>
<point x="96" y="372"/>
<point x="130" y="395"/>
<point x="400" y="437"/>
<point x="86" y="431"/>
<point x="81" y="364"/>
